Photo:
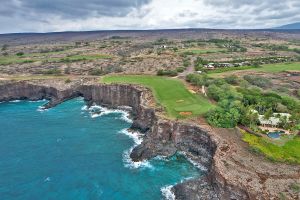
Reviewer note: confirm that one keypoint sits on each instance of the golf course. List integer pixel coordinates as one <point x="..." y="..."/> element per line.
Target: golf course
<point x="170" y="93"/>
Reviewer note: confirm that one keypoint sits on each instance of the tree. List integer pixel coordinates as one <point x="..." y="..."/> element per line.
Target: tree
<point x="232" y="79"/>
<point x="20" y="53"/>
<point x="223" y="118"/>
<point x="268" y="114"/>
<point x="249" y="117"/>
<point x="283" y="122"/>
<point x="215" y="92"/>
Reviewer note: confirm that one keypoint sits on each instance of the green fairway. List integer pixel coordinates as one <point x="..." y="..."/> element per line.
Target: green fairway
<point x="289" y="152"/>
<point x="169" y="92"/>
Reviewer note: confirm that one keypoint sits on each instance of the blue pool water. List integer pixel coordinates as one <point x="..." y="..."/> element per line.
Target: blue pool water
<point x="67" y="153"/>
<point x="275" y="135"/>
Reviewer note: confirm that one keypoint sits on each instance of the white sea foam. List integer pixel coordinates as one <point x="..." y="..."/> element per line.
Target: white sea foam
<point x="42" y="100"/>
<point x="128" y="162"/>
<point x="84" y="107"/>
<point x="198" y="165"/>
<point x="42" y="109"/>
<point x="98" y="111"/>
<point x="15" y="101"/>
<point x="160" y="158"/>
<point x="48" y="179"/>
<point x="136" y="136"/>
<point x="125" y="117"/>
<point x="167" y="192"/>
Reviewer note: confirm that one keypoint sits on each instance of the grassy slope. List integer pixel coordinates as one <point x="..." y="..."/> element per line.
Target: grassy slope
<point x="289" y="152"/>
<point x="272" y="68"/>
<point x="279" y="67"/>
<point x="170" y="93"/>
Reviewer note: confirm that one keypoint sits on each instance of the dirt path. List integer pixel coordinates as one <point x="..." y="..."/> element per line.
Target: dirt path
<point x="189" y="70"/>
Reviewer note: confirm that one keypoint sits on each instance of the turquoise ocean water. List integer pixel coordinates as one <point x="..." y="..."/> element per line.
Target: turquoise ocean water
<point x="67" y="152"/>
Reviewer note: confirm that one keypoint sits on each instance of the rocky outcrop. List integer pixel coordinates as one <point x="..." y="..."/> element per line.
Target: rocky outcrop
<point x="111" y="96"/>
<point x="166" y="137"/>
<point x="232" y="172"/>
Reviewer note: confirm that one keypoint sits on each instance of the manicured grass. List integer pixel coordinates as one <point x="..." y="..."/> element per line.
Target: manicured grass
<point x="169" y="92"/>
<point x="288" y="152"/>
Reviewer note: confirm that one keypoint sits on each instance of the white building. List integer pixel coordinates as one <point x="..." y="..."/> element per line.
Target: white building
<point x="274" y="120"/>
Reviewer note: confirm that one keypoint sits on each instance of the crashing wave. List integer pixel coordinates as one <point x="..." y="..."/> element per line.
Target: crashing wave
<point x="128" y="162"/>
<point x="15" y="101"/>
<point x="134" y="135"/>
<point x="167" y="192"/>
<point x="85" y="107"/>
<point x="37" y="101"/>
<point x="197" y="165"/>
<point x="41" y="109"/>
<point x="98" y="111"/>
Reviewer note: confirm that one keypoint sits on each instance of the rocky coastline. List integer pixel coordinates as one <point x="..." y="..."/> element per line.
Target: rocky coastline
<point x="232" y="171"/>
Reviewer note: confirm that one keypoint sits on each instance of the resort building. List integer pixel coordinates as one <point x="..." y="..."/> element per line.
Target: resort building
<point x="274" y="120"/>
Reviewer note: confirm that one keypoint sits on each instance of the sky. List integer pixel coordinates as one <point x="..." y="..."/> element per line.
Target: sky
<point x="83" y="15"/>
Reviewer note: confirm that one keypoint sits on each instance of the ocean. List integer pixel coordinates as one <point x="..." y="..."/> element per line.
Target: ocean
<point x="79" y="153"/>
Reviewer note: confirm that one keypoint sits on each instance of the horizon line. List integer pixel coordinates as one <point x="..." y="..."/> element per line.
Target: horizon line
<point x="159" y="29"/>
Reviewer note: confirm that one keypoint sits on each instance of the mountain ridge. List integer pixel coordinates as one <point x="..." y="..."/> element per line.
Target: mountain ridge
<point x="289" y="26"/>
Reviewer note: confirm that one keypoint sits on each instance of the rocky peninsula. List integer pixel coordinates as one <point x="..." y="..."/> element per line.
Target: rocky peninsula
<point x="233" y="172"/>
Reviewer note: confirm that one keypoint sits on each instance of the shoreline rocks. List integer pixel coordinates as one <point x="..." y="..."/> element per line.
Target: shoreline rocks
<point x="232" y="171"/>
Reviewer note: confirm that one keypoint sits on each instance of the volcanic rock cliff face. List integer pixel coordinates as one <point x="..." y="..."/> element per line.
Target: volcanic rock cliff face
<point x="232" y="172"/>
<point x="107" y="95"/>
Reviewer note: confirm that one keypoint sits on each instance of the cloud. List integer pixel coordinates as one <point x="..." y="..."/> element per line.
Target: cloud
<point x="74" y="15"/>
<point x="78" y="9"/>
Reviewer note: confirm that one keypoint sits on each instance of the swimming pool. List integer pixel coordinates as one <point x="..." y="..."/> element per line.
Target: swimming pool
<point x="275" y="135"/>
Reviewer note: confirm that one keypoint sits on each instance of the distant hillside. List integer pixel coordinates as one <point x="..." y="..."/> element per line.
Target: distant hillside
<point x="290" y="26"/>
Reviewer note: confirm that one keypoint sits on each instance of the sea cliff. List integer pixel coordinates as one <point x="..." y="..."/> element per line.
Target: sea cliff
<point x="232" y="171"/>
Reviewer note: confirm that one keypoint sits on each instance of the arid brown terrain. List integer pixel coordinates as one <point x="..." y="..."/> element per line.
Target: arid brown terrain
<point x="98" y="53"/>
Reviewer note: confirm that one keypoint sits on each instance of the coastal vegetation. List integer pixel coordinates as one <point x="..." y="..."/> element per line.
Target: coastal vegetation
<point x="166" y="73"/>
<point x="288" y="152"/>
<point x="170" y="93"/>
<point x="236" y="99"/>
